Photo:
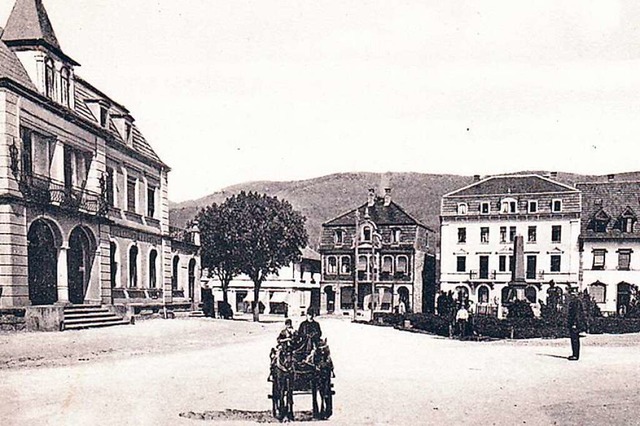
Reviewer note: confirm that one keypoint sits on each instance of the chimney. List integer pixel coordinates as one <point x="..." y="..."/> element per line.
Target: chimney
<point x="387" y="196"/>
<point x="476" y="178"/>
<point x="554" y="175"/>
<point x="611" y="177"/>
<point x="371" y="198"/>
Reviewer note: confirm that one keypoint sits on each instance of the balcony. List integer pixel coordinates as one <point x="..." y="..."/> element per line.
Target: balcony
<point x="44" y="190"/>
<point x="482" y="274"/>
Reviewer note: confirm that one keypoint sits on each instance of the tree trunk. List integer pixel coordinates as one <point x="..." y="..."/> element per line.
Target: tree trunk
<point x="256" y="301"/>
<point x="225" y="289"/>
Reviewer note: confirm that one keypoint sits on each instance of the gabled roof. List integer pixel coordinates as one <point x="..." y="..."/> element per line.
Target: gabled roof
<point x="380" y="214"/>
<point x="609" y="202"/>
<point x="29" y="21"/>
<point x="12" y="68"/>
<point x="512" y="184"/>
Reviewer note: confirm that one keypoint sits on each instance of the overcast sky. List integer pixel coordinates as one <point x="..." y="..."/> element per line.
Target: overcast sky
<point x="229" y="91"/>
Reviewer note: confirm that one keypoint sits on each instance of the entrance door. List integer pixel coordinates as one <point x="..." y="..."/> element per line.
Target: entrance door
<point x="42" y="264"/>
<point x="331" y="299"/>
<point x="79" y="265"/>
<point x="624" y="298"/>
<point x="192" y="279"/>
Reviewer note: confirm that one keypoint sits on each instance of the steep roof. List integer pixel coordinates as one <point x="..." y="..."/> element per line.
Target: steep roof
<point x="609" y="202"/>
<point x="512" y="184"/>
<point x="29" y="21"/>
<point x="12" y="68"/>
<point x="380" y="214"/>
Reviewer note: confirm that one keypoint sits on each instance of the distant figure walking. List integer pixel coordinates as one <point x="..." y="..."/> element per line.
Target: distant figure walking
<point x="576" y="322"/>
<point x="462" y="317"/>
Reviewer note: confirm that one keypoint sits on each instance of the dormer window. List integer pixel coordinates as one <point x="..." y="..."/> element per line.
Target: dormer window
<point x="49" y="78"/>
<point x="127" y="132"/>
<point x="627" y="220"/>
<point x="463" y="208"/>
<point x="600" y="221"/>
<point x="395" y="236"/>
<point x="556" y="206"/>
<point x="366" y="233"/>
<point x="104" y="115"/>
<point x="485" y="207"/>
<point x="532" y="206"/>
<point x="64" y="86"/>
<point x="338" y="237"/>
<point x="508" y="205"/>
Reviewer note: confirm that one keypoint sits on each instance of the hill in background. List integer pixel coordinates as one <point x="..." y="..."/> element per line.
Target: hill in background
<point x="321" y="199"/>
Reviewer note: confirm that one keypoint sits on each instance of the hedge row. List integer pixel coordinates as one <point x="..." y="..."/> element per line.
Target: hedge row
<point x="513" y="328"/>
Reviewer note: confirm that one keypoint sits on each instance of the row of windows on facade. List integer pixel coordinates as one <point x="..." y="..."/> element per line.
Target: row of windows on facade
<point x="623" y="224"/>
<point x="366" y="235"/>
<point x="348" y="296"/>
<point x="532" y="234"/>
<point x="510" y="206"/>
<point x="153" y="268"/>
<point x="132" y="201"/>
<point x="600" y="257"/>
<point x="506" y="261"/>
<point x="597" y="291"/>
<point x="389" y="264"/>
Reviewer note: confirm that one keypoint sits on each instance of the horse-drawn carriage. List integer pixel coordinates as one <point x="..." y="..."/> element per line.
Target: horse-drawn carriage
<point x="303" y="367"/>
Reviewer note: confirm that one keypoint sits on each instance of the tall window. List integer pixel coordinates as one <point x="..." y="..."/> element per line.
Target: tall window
<point x="131" y="193"/>
<point x="109" y="187"/>
<point x="556" y="233"/>
<point x="401" y="265"/>
<point x="461" y="263"/>
<point x="555" y="263"/>
<point x="345" y="264"/>
<point x="387" y="264"/>
<point x="462" y="235"/>
<point x="151" y="201"/>
<point x="485" y="208"/>
<point x="49" y="79"/>
<point x="153" y="258"/>
<point x="64" y="86"/>
<point x="133" y="267"/>
<point x="599" y="258"/>
<point x="366" y="233"/>
<point x="484" y="235"/>
<point x="531" y="234"/>
<point x="508" y="205"/>
<point x="598" y="292"/>
<point x="483" y="294"/>
<point x="531" y="267"/>
<point x="624" y="259"/>
<point x="462" y="208"/>
<point x="35" y="153"/>
<point x="533" y="207"/>
<point x="484" y="267"/>
<point x="512" y="233"/>
<point x="332" y="266"/>
<point x="174" y="272"/>
<point x="395" y="235"/>
<point x="338" y="237"/>
<point x="502" y="263"/>
<point x="556" y="206"/>
<point x="503" y="234"/>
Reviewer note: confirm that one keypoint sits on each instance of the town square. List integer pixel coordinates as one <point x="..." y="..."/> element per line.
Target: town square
<point x="372" y="212"/>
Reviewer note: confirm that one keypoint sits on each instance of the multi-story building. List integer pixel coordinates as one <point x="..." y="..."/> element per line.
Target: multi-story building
<point x="83" y="196"/>
<point x="479" y="223"/>
<point x="292" y="291"/>
<point x="609" y="242"/>
<point x="395" y="260"/>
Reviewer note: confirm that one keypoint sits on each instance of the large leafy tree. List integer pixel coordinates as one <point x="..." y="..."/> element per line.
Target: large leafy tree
<point x="258" y="235"/>
<point x="218" y="241"/>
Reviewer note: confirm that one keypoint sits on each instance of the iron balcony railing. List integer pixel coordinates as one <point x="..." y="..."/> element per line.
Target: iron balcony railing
<point x="482" y="274"/>
<point x="44" y="190"/>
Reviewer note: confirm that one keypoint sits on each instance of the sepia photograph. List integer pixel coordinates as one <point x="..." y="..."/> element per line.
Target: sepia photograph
<point x="365" y="212"/>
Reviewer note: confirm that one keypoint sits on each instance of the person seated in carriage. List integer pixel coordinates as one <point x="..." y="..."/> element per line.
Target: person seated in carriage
<point x="309" y="330"/>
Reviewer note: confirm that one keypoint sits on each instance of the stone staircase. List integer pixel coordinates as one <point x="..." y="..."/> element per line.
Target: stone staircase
<point x="77" y="317"/>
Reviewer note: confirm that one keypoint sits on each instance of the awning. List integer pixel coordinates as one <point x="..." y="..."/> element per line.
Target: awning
<point x="279" y="297"/>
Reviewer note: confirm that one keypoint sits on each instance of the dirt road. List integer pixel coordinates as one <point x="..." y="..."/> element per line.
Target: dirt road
<point x="166" y="372"/>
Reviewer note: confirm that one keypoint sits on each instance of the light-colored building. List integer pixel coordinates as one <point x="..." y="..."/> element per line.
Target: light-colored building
<point x="479" y="223"/>
<point x="395" y="260"/>
<point x="610" y="242"/>
<point x="84" y="213"/>
<point x="294" y="290"/>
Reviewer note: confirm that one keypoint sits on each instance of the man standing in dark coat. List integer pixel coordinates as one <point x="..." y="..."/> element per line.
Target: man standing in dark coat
<point x="576" y="322"/>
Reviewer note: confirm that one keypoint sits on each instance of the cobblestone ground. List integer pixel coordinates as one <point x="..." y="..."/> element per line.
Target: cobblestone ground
<point x="197" y="370"/>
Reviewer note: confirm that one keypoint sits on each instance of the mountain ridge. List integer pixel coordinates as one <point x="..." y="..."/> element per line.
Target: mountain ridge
<point x="326" y="197"/>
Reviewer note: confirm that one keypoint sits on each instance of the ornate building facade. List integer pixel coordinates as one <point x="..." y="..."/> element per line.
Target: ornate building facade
<point x="84" y="213"/>
<point x="478" y="226"/>
<point x="378" y="249"/>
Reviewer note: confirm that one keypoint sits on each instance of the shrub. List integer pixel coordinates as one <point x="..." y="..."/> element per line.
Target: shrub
<point x="430" y="323"/>
<point x="520" y="309"/>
